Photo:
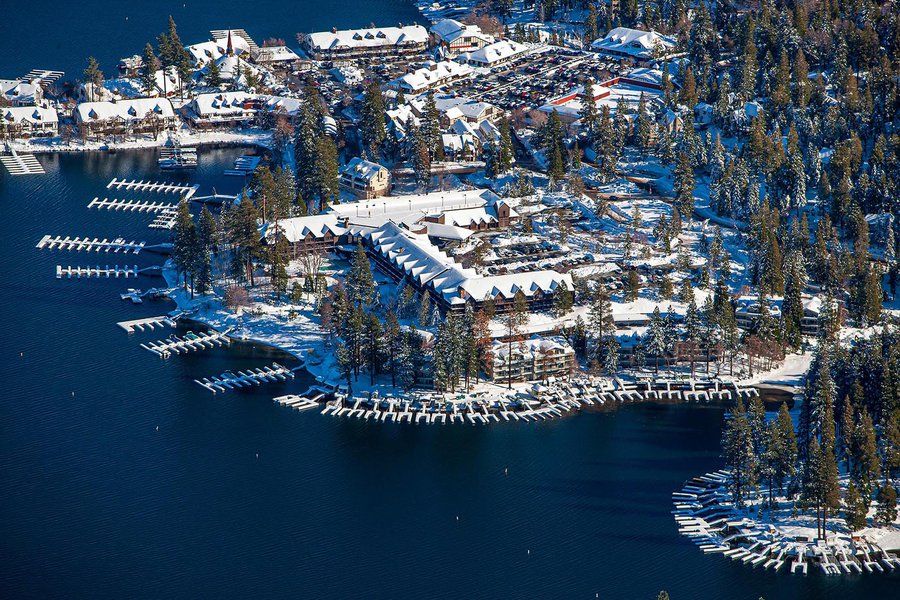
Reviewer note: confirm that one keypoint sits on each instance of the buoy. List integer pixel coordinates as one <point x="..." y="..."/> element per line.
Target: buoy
<point x="529" y="553"/>
<point x="257" y="455"/>
<point x="506" y="471"/>
<point x="457" y="517"/>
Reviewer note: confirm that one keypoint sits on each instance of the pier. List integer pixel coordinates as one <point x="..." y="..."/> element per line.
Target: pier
<point x="153" y="186"/>
<point x="132" y="205"/>
<point x="21" y="164"/>
<point x="79" y="244"/>
<point x="230" y="381"/>
<point x="244" y="166"/>
<point x="296" y="402"/>
<point x="107" y="272"/>
<point x="191" y="342"/>
<point x="148" y="324"/>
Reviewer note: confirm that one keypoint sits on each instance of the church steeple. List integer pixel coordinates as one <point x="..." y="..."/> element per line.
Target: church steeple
<point x="230" y="49"/>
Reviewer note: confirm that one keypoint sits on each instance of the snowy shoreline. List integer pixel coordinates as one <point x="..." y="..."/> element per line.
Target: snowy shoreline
<point x="251" y="137"/>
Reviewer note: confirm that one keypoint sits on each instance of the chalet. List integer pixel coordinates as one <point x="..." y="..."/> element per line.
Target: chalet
<point x="456" y="37"/>
<point x="635" y="44"/>
<point x="312" y="233"/>
<point x="494" y="54"/>
<point x="496" y="215"/>
<point x="125" y="117"/>
<point x="225" y="109"/>
<point x="365" y="179"/>
<point x="432" y="76"/>
<point x="276" y="56"/>
<point x="535" y="359"/>
<point x="379" y="42"/>
<point x="28" y="121"/>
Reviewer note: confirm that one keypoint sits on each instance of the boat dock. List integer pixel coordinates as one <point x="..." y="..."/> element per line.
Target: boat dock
<point x="244" y="166"/>
<point x="131" y="205"/>
<point x="21" y="164"/>
<point x="296" y="402"/>
<point x="189" y="343"/>
<point x="79" y="244"/>
<point x="148" y="324"/>
<point x="153" y="186"/>
<point x="116" y="271"/>
<point x="230" y="381"/>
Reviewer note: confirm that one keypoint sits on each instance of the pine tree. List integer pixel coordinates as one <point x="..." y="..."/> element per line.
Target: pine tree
<point x="243" y="235"/>
<point x="506" y="153"/>
<point x="206" y="230"/>
<point x="148" y="70"/>
<point x="430" y="127"/>
<point x="684" y="185"/>
<point x="279" y="255"/>
<point x="738" y="452"/>
<point x="655" y="339"/>
<point x="213" y="74"/>
<point x="886" y="513"/>
<point x="360" y="281"/>
<point x="855" y="509"/>
<point x="372" y="120"/>
<point x="184" y="243"/>
<point x="93" y="77"/>
<point x="327" y="171"/>
<point x="588" y="113"/>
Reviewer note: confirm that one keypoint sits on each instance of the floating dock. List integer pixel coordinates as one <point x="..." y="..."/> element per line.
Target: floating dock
<point x="164" y="220"/>
<point x="153" y="186"/>
<point x="230" y="381"/>
<point x="132" y="205"/>
<point x="79" y="244"/>
<point x="244" y="166"/>
<point x="148" y="324"/>
<point x="116" y="271"/>
<point x="296" y="402"/>
<point x="189" y="343"/>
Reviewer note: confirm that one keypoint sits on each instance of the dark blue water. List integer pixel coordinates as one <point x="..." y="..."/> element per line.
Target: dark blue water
<point x="96" y="502"/>
<point x="61" y="35"/>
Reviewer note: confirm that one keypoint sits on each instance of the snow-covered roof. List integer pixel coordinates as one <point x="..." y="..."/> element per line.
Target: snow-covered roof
<point x="324" y="41"/>
<point x="633" y="42"/>
<point x="431" y="75"/>
<point x="28" y="114"/>
<point x="450" y="30"/>
<point x="448" y="232"/>
<point x="414" y="205"/>
<point x="204" y="52"/>
<point x="225" y="103"/>
<point x="271" y="54"/>
<point x="298" y="228"/>
<point x="134" y="109"/>
<point x="362" y="169"/>
<point x="468" y="217"/>
<point x="494" y="53"/>
<point x="531" y="348"/>
<point x="19" y="92"/>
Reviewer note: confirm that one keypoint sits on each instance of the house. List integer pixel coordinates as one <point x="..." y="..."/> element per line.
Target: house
<point x="21" y="93"/>
<point x="495" y="54"/>
<point x="378" y="42"/>
<point x="457" y="37"/>
<point x="747" y="312"/>
<point x="28" y="121"/>
<point x="635" y="44"/>
<point x="433" y="75"/>
<point x="534" y="359"/>
<point x="276" y="56"/>
<point x="224" y="109"/>
<point x="125" y="117"/>
<point x="311" y="233"/>
<point x="365" y="179"/>
<point x="495" y="215"/>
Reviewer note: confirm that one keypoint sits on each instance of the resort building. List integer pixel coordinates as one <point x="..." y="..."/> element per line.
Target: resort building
<point x="412" y="257"/>
<point x="125" y="117"/>
<point x="433" y="75"/>
<point x="495" y="54"/>
<point x="456" y="37"/>
<point x="28" y="121"/>
<point x="225" y="109"/>
<point x="214" y="50"/>
<point x="365" y="179"/>
<point x="535" y="359"/>
<point x="495" y="215"/>
<point x="379" y="42"/>
<point x="635" y="44"/>
<point x="275" y="56"/>
<point x="748" y="311"/>
<point x="629" y="87"/>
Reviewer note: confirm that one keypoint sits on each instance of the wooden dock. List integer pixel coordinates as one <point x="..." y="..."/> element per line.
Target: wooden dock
<point x="148" y="324"/>
<point x="97" y="272"/>
<point x="79" y="244"/>
<point x="191" y="342"/>
<point x="153" y="186"/>
<point x="230" y="381"/>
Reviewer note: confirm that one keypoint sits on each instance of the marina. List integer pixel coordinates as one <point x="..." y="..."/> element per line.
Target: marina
<point x="21" y="164"/>
<point x="140" y="206"/>
<point x="704" y="513"/>
<point x="244" y="166"/>
<point x="250" y="377"/>
<point x="153" y="186"/>
<point x="79" y="244"/>
<point x="191" y="342"/>
<point x="296" y="402"/>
